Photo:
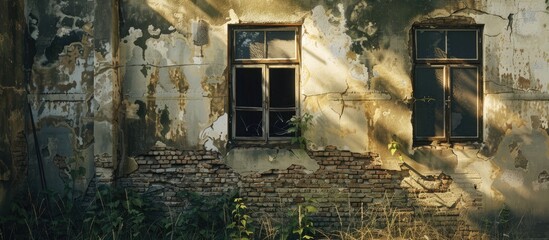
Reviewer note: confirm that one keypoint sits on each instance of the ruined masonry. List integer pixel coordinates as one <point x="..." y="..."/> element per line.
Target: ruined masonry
<point x="434" y="109"/>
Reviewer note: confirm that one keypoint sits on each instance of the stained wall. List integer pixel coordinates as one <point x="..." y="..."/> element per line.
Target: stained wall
<point x="13" y="108"/>
<point x="110" y="79"/>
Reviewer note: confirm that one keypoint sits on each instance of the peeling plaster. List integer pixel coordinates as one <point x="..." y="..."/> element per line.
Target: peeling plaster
<point x="355" y="79"/>
<point x="215" y="136"/>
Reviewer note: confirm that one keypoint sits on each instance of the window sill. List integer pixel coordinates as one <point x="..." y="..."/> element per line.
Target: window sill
<point x="448" y="145"/>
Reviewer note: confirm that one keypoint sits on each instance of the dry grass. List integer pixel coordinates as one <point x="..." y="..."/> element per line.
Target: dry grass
<point x="377" y="221"/>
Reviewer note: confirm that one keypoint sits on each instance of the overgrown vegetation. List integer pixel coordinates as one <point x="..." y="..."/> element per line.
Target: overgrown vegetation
<point x="123" y="214"/>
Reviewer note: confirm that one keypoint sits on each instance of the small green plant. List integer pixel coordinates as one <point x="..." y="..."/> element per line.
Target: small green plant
<point x="393" y="147"/>
<point x="305" y="228"/>
<point x="299" y="224"/>
<point x="298" y="126"/>
<point x="115" y="213"/>
<point x="240" y="226"/>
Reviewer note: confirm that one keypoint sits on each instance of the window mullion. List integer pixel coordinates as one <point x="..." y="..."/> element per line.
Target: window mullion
<point x="233" y="100"/>
<point x="265" y="103"/>
<point x="296" y="92"/>
<point x="446" y="43"/>
<point x="265" y="45"/>
<point x="448" y="103"/>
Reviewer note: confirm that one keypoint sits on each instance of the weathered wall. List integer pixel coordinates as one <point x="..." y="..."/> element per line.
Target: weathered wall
<point x="355" y="81"/>
<point x="110" y="79"/>
<point x="61" y="87"/>
<point x="13" y="108"/>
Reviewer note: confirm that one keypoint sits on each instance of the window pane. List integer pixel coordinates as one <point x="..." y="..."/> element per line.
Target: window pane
<point x="278" y="123"/>
<point x="249" y="123"/>
<point x="430" y="44"/>
<point x="429" y="115"/>
<point x="249" y="92"/>
<point x="462" y="44"/>
<point x="249" y="44"/>
<point x="281" y="44"/>
<point x="464" y="92"/>
<point x="282" y="87"/>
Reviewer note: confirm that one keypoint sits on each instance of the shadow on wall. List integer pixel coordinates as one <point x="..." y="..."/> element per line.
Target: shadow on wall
<point x="13" y="107"/>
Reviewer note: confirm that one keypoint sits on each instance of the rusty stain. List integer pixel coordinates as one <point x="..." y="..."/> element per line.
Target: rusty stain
<point x="523" y="83"/>
<point x="543" y="176"/>
<point x="521" y="161"/>
<point x="68" y="58"/>
<point x="506" y="78"/>
<point x="153" y="81"/>
<point x="178" y="79"/>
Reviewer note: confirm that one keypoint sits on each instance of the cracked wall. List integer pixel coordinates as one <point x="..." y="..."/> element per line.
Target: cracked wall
<point x="110" y="79"/>
<point x="355" y="80"/>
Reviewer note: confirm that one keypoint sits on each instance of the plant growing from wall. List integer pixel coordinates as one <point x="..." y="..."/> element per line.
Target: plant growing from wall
<point x="298" y="126"/>
<point x="240" y="227"/>
<point x="395" y="147"/>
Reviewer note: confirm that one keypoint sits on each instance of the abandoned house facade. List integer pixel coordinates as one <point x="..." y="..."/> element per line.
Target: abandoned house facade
<point x="436" y="104"/>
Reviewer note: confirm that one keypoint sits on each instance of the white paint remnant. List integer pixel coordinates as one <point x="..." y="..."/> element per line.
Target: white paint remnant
<point x="131" y="109"/>
<point x="216" y="131"/>
<point x="233" y="18"/>
<point x="152" y="31"/>
<point x="325" y="48"/>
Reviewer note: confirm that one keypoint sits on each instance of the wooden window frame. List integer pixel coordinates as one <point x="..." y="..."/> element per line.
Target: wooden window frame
<point x="447" y="64"/>
<point x="265" y="64"/>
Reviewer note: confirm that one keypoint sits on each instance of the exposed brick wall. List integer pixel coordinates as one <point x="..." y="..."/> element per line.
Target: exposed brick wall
<point x="347" y="188"/>
<point x="164" y="171"/>
<point x="344" y="183"/>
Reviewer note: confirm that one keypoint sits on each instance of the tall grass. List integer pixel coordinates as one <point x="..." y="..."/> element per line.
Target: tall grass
<point x="123" y="214"/>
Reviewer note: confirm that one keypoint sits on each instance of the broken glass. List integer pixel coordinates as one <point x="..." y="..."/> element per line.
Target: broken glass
<point x="430" y="44"/>
<point x="249" y="45"/>
<point x="282" y="87"/>
<point x="281" y="44"/>
<point x="249" y="123"/>
<point x="462" y="44"/>
<point x="248" y="88"/>
<point x="278" y="123"/>
<point x="464" y="92"/>
<point x="429" y="102"/>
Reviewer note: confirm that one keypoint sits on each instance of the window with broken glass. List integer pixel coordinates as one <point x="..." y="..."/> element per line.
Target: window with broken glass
<point x="265" y="77"/>
<point x="447" y="82"/>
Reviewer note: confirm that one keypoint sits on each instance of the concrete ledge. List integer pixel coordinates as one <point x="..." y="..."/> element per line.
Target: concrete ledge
<point x="247" y="161"/>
